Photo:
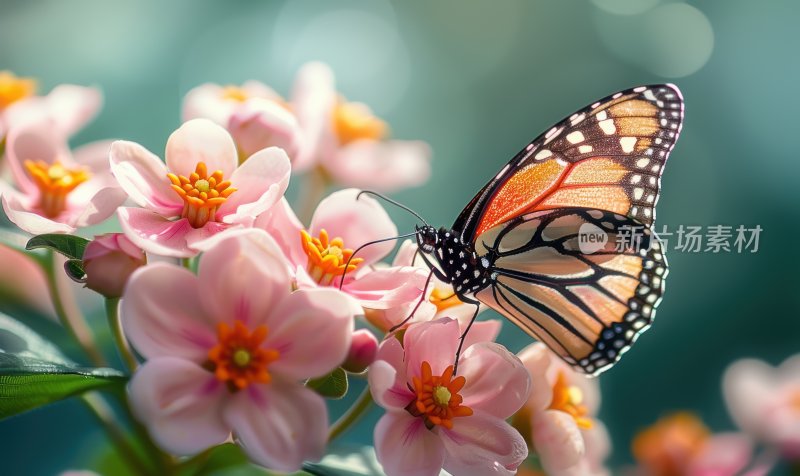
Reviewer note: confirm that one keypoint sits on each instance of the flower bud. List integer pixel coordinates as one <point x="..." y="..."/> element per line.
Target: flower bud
<point x="108" y="261"/>
<point x="363" y="348"/>
<point x="260" y="123"/>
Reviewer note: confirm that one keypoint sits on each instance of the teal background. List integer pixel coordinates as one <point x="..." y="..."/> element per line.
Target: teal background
<point x="478" y="80"/>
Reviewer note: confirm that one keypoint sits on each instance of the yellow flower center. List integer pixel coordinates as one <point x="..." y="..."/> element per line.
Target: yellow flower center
<point x="327" y="259"/>
<point x="568" y="399"/>
<point x="238" y="358"/>
<point x="13" y="88"/>
<point x="55" y="182"/>
<point x="202" y="194"/>
<point x="234" y="93"/>
<point x="667" y="447"/>
<point x="353" y="122"/>
<point x="443" y="299"/>
<point x="437" y="399"/>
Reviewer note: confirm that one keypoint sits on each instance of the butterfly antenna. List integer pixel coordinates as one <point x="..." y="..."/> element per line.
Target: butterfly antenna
<point x="393" y="202"/>
<point x="347" y="265"/>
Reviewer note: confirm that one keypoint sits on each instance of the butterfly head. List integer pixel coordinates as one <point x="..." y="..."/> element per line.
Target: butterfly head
<point x="427" y="238"/>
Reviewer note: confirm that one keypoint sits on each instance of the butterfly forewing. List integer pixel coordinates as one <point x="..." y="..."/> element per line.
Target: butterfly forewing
<point x="583" y="281"/>
<point x="609" y="156"/>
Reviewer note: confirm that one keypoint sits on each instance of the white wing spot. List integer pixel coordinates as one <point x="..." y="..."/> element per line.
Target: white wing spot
<point x="575" y="137"/>
<point x="649" y="95"/>
<point x="543" y="154"/>
<point x="640" y="89"/>
<point x="576" y="119"/>
<point x="585" y="149"/>
<point x="636" y="178"/>
<point x="602" y="116"/>
<point x="608" y="126"/>
<point x="637" y="193"/>
<point x="642" y="163"/>
<point x="627" y="144"/>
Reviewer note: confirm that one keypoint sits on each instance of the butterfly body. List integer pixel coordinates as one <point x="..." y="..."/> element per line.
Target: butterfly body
<point x="551" y="241"/>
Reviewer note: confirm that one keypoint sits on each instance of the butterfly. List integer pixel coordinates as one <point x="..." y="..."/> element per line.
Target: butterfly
<point x="560" y="240"/>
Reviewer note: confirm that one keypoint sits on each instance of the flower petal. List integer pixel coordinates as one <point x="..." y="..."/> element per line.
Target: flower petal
<point x="144" y="178"/>
<point x="162" y="314"/>
<point x="72" y="106"/>
<point x="723" y="454"/>
<point x="37" y="140"/>
<point x="388" y="288"/>
<point x="95" y="156"/>
<point x="484" y="331"/>
<point x="404" y="447"/>
<point x="207" y="101"/>
<point x="497" y="382"/>
<point x="557" y="440"/>
<point x="101" y="206"/>
<point x="356" y="222"/>
<point x="283" y="225"/>
<point x="155" y="234"/>
<point x="387" y="377"/>
<point x="483" y="444"/>
<point x="381" y="166"/>
<point x="261" y="123"/>
<point x="260" y="182"/>
<point x="313" y="99"/>
<point x="537" y="359"/>
<point x="245" y="276"/>
<point x="200" y="140"/>
<point x="17" y="210"/>
<point x="180" y="403"/>
<point x="435" y="342"/>
<point x="279" y="425"/>
<point x="311" y="329"/>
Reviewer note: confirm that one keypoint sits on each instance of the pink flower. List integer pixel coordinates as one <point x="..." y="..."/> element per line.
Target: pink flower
<point x="765" y="402"/>
<point x="566" y="434"/>
<point x="199" y="193"/>
<point x="57" y="190"/>
<point x="319" y="254"/>
<point x="109" y="260"/>
<point x="256" y="116"/>
<point x="27" y="285"/>
<point x="227" y="352"/>
<point x="348" y="141"/>
<point x="436" y="420"/>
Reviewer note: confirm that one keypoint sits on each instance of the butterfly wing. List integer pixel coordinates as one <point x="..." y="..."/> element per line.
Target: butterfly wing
<point x="608" y="156"/>
<point x="586" y="299"/>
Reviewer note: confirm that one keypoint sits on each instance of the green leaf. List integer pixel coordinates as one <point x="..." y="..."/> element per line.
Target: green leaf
<point x="356" y="462"/>
<point x="74" y="269"/>
<point x="68" y="245"/>
<point x="333" y="385"/>
<point x="33" y="372"/>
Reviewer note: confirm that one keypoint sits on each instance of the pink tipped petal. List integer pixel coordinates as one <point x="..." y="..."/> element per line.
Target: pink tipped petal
<point x="725" y="454"/>
<point x="435" y="342"/>
<point x="380" y="166"/>
<point x="311" y="329"/>
<point x="279" y="425"/>
<point x="483" y="444"/>
<point x="257" y="89"/>
<point x="557" y="440"/>
<point x="261" y="123"/>
<point x="27" y="285"/>
<point x="485" y="331"/>
<point x="404" y="447"/>
<point x="180" y="403"/>
<point x="247" y="277"/>
<point x="388" y="288"/>
<point x="144" y="178"/>
<point x="101" y="206"/>
<point x="72" y="107"/>
<point x="95" y="156"/>
<point x="497" y="382"/>
<point x="16" y="210"/>
<point x="748" y="386"/>
<point x="537" y="359"/>
<point x="281" y="222"/>
<point x="37" y="140"/>
<point x="260" y="182"/>
<point x="405" y="254"/>
<point x="155" y="234"/>
<point x="356" y="222"/>
<point x="387" y="377"/>
<point x="207" y="101"/>
<point x="162" y="314"/>
<point x="209" y="230"/>
<point x="313" y="99"/>
<point x="200" y="140"/>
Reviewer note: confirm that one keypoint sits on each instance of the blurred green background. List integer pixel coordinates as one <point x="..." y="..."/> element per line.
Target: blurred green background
<point x="478" y="80"/>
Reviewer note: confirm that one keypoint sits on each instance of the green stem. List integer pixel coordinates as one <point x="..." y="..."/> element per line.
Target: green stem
<point x="112" y="313"/>
<point x="105" y="416"/>
<point x="360" y="406"/>
<point x="67" y="310"/>
<point x="314" y="186"/>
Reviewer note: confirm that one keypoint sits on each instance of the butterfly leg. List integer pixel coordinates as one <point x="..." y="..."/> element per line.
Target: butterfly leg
<point x="419" y="303"/>
<point x="466" y="331"/>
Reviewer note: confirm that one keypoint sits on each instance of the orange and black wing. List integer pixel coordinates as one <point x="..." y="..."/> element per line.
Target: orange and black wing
<point x="583" y="281"/>
<point x="609" y="156"/>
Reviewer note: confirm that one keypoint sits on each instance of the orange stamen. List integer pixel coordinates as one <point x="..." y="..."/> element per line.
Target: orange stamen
<point x="438" y="400"/>
<point x="13" y="88"/>
<point x="55" y="182"/>
<point x="353" y="121"/>
<point x="443" y="299"/>
<point x="327" y="259"/>
<point x="202" y="194"/>
<point x="238" y="357"/>
<point x="568" y="398"/>
<point x="234" y="93"/>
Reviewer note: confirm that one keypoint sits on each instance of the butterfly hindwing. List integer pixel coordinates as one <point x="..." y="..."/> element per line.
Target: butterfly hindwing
<point x="609" y="155"/>
<point x="588" y="301"/>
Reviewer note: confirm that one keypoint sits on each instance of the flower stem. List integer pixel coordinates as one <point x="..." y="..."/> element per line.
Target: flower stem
<point x="314" y="185"/>
<point x="105" y="416"/>
<point x="67" y="310"/>
<point x="112" y="313"/>
<point x="360" y="406"/>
